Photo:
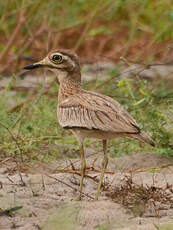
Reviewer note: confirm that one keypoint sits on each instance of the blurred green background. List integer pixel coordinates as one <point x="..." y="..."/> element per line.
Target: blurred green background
<point x="140" y="31"/>
<point x="137" y="29"/>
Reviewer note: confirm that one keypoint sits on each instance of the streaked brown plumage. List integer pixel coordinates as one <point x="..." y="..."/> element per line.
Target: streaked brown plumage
<point x="86" y="113"/>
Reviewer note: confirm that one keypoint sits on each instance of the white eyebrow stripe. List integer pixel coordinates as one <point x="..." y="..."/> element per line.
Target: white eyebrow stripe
<point x="63" y="56"/>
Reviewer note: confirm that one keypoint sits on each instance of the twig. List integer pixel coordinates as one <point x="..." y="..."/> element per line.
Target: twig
<point x="9" y="211"/>
<point x="4" y="160"/>
<point x="72" y="165"/>
<point x="13" y="36"/>
<point x="91" y="18"/>
<point x="79" y="173"/>
<point x="62" y="182"/>
<point x="138" y="170"/>
<point x="10" y="180"/>
<point x="21" y="179"/>
<point x="31" y="97"/>
<point x="15" y="140"/>
<point x="43" y="184"/>
<point x="145" y="66"/>
<point x="30" y="40"/>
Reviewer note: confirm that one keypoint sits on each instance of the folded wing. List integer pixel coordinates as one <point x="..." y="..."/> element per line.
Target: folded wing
<point x="91" y="110"/>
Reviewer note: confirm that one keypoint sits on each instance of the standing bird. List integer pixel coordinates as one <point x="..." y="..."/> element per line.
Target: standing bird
<point x="86" y="113"/>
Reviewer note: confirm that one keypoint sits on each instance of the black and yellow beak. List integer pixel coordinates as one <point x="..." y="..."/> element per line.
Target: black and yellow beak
<point x="34" y="66"/>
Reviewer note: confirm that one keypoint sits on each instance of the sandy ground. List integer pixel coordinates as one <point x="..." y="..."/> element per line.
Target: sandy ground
<point x="137" y="195"/>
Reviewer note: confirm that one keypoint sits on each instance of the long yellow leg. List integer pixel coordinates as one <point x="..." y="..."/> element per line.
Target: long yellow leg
<point x="104" y="164"/>
<point x="83" y="167"/>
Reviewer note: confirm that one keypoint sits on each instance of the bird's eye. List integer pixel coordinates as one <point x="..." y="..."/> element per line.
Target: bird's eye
<point x="57" y="59"/>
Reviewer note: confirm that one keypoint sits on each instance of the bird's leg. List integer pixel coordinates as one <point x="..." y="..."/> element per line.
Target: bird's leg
<point x="104" y="165"/>
<point x="83" y="167"/>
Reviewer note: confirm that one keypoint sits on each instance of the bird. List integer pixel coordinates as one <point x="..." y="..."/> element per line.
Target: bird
<point x="87" y="114"/>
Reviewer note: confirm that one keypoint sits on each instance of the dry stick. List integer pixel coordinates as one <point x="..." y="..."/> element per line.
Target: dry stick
<point x="146" y="66"/>
<point x="20" y="150"/>
<point x="31" y="39"/>
<point x="5" y="14"/>
<point x="66" y="167"/>
<point x="21" y="179"/>
<point x="138" y="170"/>
<point x="88" y="25"/>
<point x="142" y="66"/>
<point x="18" y="106"/>
<point x="62" y="182"/>
<point x="130" y="63"/>
<point x="135" y="171"/>
<point x="15" y="140"/>
<point x="4" y="160"/>
<point x="79" y="173"/>
<point x="17" y="88"/>
<point x="24" y="47"/>
<point x="10" y="180"/>
<point x="13" y="36"/>
<point x="9" y="211"/>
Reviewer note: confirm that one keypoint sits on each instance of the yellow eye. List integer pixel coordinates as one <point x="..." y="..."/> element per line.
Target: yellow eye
<point x="57" y="59"/>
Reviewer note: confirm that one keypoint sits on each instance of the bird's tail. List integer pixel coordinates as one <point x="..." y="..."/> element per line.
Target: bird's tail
<point x="143" y="137"/>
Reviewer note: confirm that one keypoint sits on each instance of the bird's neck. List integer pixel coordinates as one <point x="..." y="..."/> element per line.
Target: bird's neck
<point x="69" y="85"/>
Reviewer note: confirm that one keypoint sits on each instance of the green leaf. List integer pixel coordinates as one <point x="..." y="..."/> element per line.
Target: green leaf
<point x="139" y="102"/>
<point x="99" y="30"/>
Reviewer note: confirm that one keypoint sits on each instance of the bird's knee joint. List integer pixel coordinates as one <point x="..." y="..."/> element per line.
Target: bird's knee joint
<point x="105" y="162"/>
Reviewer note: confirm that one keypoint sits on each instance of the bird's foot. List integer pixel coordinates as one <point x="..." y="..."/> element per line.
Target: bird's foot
<point x="79" y="198"/>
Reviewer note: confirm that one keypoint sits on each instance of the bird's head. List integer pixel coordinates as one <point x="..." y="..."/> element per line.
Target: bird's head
<point x="61" y="62"/>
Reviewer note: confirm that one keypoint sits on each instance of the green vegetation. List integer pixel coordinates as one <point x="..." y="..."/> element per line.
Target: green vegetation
<point x="100" y="227"/>
<point x="165" y="226"/>
<point x="62" y="218"/>
<point x="32" y="130"/>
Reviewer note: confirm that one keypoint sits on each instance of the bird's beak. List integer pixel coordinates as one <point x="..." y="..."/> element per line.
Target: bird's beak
<point x="35" y="65"/>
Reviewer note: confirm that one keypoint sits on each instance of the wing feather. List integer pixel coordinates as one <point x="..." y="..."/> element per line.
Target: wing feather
<point x="95" y="111"/>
